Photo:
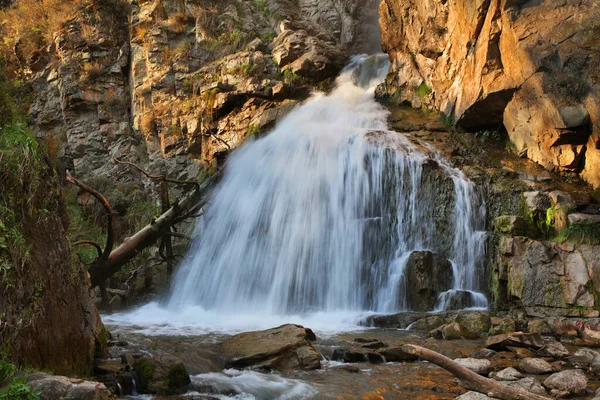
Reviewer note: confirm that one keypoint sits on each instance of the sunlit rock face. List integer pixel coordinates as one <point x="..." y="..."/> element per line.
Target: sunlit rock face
<point x="175" y="86"/>
<point x="531" y="66"/>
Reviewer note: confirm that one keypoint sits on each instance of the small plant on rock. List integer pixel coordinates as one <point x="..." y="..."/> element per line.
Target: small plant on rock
<point x="423" y="90"/>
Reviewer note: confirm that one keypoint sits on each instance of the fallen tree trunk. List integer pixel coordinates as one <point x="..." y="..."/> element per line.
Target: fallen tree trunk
<point x="469" y="379"/>
<point x="110" y="261"/>
<point x="150" y="234"/>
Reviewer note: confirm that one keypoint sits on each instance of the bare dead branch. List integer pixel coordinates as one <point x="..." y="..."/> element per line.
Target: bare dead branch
<point x="110" y="218"/>
<point x="89" y="243"/>
<point x="469" y="379"/>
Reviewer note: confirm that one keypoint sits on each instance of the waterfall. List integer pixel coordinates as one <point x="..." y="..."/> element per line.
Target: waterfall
<point x="322" y="214"/>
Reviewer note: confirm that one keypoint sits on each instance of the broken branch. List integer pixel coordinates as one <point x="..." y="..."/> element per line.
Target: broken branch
<point x="89" y="243"/>
<point x="110" y="223"/>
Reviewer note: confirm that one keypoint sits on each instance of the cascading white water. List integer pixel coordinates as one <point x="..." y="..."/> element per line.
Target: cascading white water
<point x="322" y="214"/>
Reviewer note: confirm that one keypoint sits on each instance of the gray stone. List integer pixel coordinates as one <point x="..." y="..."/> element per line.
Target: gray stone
<point x="284" y="347"/>
<point x="554" y="350"/>
<point x="477" y="365"/>
<point x="62" y="388"/>
<point x="567" y="383"/>
<point x="453" y="331"/>
<point x="535" y="366"/>
<point x="530" y="384"/>
<point x="574" y="116"/>
<point x="508" y="374"/>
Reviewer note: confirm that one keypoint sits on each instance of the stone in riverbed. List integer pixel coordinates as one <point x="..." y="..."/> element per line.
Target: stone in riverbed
<point x="453" y="331"/>
<point x="530" y="384"/>
<point x="515" y="339"/>
<point x="161" y="374"/>
<point x="507" y="374"/>
<point x="284" y="347"/>
<point x="567" y="383"/>
<point x="535" y="366"/>
<point x="59" y="387"/>
<point x="554" y="350"/>
<point x="477" y="365"/>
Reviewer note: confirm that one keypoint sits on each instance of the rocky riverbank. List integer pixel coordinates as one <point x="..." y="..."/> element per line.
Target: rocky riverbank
<point x="554" y="357"/>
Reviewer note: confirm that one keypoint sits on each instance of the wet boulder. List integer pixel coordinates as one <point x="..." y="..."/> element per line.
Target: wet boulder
<point x="427" y="275"/>
<point x="507" y="374"/>
<point x="477" y="365"/>
<point x="530" y="384"/>
<point x="285" y="347"/>
<point x="515" y="339"/>
<point x="553" y="350"/>
<point x="535" y="366"/>
<point x="453" y="331"/>
<point x="567" y="383"/>
<point x="161" y="374"/>
<point x="52" y="387"/>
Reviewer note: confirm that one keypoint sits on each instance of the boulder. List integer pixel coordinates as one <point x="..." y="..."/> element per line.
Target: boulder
<point x="285" y="347"/>
<point x="161" y="374"/>
<point x="508" y="374"/>
<point x="553" y="350"/>
<point x="530" y="384"/>
<point x="514" y="339"/>
<point x="53" y="387"/>
<point x="427" y="275"/>
<point x="453" y="331"/>
<point x="535" y="366"/>
<point x="477" y="365"/>
<point x="568" y="383"/>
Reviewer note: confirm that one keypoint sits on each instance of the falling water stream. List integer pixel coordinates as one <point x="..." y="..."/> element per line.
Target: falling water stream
<point x="316" y="221"/>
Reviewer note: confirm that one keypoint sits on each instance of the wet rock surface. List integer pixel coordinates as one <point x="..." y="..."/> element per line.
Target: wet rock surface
<point x="52" y="387"/>
<point x="429" y="275"/>
<point x="567" y="383"/>
<point x="286" y="347"/>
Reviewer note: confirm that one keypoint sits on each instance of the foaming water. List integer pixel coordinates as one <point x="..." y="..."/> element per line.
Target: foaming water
<point x="154" y="319"/>
<point x="250" y="385"/>
<point x="315" y="222"/>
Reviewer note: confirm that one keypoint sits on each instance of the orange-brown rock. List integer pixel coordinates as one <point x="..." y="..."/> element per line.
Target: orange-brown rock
<point x="532" y="66"/>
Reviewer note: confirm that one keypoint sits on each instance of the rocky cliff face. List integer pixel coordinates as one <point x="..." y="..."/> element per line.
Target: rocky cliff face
<point x="531" y="66"/>
<point x="175" y="85"/>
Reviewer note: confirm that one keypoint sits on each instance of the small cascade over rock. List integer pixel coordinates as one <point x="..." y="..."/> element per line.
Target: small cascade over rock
<point x="325" y="213"/>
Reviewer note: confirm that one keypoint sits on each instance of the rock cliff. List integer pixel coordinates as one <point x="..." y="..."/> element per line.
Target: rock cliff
<point x="175" y="85"/>
<point x="531" y="66"/>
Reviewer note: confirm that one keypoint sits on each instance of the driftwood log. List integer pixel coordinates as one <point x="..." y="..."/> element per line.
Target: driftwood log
<point x="469" y="379"/>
